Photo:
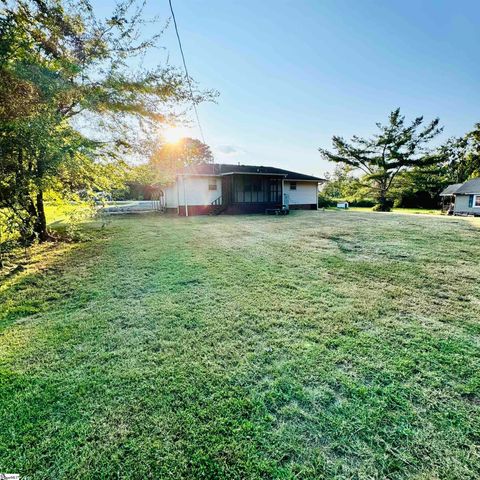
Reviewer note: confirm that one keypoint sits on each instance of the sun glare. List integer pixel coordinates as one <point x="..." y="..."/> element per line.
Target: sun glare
<point x="173" y="134"/>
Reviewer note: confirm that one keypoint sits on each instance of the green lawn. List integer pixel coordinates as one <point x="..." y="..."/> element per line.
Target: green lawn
<point x="319" y="345"/>
<point x="423" y="211"/>
<point x="56" y="213"/>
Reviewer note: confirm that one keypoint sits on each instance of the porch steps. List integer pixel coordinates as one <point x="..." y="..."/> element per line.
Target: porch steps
<point x="218" y="206"/>
<point x="218" y="209"/>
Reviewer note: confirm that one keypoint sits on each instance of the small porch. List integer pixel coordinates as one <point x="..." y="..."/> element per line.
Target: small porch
<point x="250" y="193"/>
<point x="448" y="204"/>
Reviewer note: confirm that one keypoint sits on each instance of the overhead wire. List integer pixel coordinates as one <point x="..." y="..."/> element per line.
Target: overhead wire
<point x="189" y="82"/>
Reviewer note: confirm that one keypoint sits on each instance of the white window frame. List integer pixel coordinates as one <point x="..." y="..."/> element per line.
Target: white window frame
<point x="475" y="201"/>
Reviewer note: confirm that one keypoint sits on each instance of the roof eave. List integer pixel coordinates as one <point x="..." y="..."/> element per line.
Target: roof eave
<point x="255" y="173"/>
<point x="317" y="180"/>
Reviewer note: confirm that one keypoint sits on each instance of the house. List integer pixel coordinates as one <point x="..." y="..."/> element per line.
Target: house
<point x="462" y="198"/>
<point x="220" y="188"/>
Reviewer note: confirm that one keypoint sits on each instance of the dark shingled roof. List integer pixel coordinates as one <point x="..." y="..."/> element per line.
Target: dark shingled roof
<point x="451" y="189"/>
<point x="472" y="186"/>
<point x="225" y="169"/>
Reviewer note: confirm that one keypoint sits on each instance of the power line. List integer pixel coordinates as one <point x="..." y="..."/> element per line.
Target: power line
<point x="186" y="72"/>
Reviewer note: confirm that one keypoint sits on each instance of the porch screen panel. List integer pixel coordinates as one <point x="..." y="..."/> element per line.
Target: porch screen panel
<point x="250" y="189"/>
<point x="275" y="191"/>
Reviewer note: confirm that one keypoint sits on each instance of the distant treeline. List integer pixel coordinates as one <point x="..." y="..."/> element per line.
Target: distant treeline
<point x="398" y="166"/>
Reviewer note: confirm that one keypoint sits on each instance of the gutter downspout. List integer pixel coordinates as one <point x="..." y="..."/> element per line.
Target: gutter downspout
<point x="178" y="194"/>
<point x="283" y="194"/>
<point x="185" y="197"/>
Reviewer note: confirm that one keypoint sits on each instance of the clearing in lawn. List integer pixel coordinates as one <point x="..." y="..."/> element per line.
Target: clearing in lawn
<point x="317" y="345"/>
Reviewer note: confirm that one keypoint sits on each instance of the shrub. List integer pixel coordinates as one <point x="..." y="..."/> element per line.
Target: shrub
<point x="419" y="199"/>
<point x="364" y="202"/>
<point x="325" y="202"/>
<point x="385" y="206"/>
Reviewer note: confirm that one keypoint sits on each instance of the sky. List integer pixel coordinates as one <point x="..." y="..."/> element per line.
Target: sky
<point x="291" y="74"/>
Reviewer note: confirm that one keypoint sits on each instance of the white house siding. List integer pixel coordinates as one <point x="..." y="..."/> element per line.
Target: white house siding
<point x="171" y="196"/>
<point x="197" y="191"/>
<point x="306" y="193"/>
<point x="199" y="195"/>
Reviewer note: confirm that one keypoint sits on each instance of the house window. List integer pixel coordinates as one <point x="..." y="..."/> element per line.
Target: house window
<point x="212" y="186"/>
<point x="293" y="185"/>
<point x="476" y="203"/>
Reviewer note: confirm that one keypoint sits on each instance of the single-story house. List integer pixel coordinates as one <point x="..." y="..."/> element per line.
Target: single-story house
<point x="215" y="188"/>
<point x="462" y="198"/>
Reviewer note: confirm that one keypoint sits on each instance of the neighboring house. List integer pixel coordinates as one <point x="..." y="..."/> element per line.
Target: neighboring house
<point x="463" y="198"/>
<point x="220" y="188"/>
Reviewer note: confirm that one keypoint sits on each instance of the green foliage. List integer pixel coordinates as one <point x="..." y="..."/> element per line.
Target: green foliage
<point x="67" y="214"/>
<point x="169" y="158"/>
<point x="139" y="179"/>
<point x="325" y="201"/>
<point x="142" y="174"/>
<point x="383" y="206"/>
<point x="463" y="156"/>
<point x="420" y="187"/>
<point x="61" y="68"/>
<point x="397" y="147"/>
<point x="166" y="160"/>
<point x="343" y="184"/>
<point x="312" y="346"/>
<point x="362" y="203"/>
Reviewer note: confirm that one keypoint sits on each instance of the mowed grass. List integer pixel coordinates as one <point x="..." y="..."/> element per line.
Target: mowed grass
<point x="320" y="345"/>
<point x="57" y="213"/>
<point x="421" y="211"/>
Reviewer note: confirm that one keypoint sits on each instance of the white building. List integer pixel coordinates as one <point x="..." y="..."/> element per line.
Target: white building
<point x="221" y="188"/>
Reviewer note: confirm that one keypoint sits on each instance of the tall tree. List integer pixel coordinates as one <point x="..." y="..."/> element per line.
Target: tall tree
<point x="463" y="156"/>
<point x="420" y="187"/>
<point x="342" y="184"/>
<point x="171" y="157"/>
<point x="397" y="147"/>
<point x="73" y="94"/>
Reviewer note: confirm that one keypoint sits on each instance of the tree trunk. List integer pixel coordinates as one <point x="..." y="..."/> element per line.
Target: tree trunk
<point x="40" y="225"/>
<point x="27" y="229"/>
<point x="383" y="204"/>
